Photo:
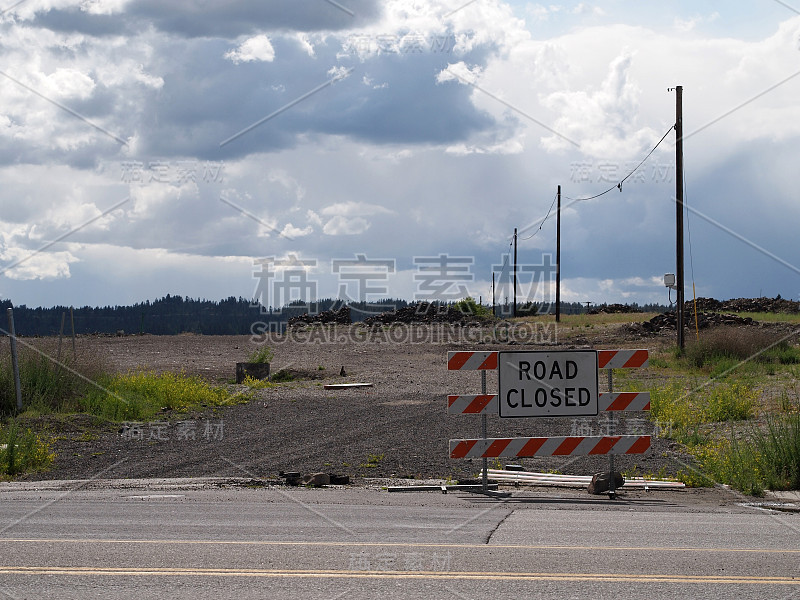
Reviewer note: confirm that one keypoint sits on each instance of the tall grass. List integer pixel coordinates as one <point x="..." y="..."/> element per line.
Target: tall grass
<point x="47" y="384"/>
<point x="142" y="394"/>
<point x="763" y="458"/>
<point x="686" y="413"/>
<point x="81" y="383"/>
<point x="724" y="347"/>
<point x="778" y="448"/>
<point x="22" y="451"/>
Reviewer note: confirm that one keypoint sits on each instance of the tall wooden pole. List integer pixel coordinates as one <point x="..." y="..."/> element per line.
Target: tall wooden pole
<point x="558" y="258"/>
<point x="514" y="307"/>
<point x="679" y="210"/>
<point x="494" y="311"/>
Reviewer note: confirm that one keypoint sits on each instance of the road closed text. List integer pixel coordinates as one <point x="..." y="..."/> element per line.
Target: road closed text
<point x="548" y="384"/>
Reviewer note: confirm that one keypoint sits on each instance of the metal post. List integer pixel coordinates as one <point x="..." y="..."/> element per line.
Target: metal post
<point x="14" y="361"/>
<point x="679" y="210"/>
<point x="558" y="258"/>
<point x="72" y="321"/>
<point x="61" y="336"/>
<point x="485" y="480"/>
<point x="611" y="431"/>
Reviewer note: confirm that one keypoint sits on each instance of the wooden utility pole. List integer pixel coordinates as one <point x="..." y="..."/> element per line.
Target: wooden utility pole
<point x="494" y="311"/>
<point x="679" y="210"/>
<point x="514" y="306"/>
<point x="558" y="258"/>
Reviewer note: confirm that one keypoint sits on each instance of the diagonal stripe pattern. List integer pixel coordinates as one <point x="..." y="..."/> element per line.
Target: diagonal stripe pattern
<point x="606" y="359"/>
<point x="549" y="446"/>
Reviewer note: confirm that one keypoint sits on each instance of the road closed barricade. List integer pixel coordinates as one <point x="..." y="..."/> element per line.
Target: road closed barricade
<point x="544" y="383"/>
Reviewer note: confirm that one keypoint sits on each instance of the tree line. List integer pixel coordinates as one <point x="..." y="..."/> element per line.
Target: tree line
<point x="174" y="314"/>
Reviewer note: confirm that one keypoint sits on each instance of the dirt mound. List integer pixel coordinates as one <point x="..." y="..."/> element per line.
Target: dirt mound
<point x="610" y="309"/>
<point x="767" y="305"/>
<point x="326" y="317"/>
<point x="669" y="321"/>
<point x="424" y="312"/>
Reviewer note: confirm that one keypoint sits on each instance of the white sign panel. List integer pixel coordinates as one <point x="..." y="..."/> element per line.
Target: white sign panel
<point x="548" y="384"/>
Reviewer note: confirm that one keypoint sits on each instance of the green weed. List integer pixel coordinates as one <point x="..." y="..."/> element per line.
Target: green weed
<point x="257" y="384"/>
<point x="46" y="385"/>
<point x="373" y="460"/>
<point x="142" y="394"/>
<point x="670" y="403"/>
<point x="262" y="355"/>
<point x="283" y="376"/>
<point x="22" y="451"/>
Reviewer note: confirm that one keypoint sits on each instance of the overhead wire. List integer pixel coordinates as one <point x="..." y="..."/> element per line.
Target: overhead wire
<point x="505" y="262"/>
<point x="618" y="186"/>
<point x="691" y="256"/>
<point x="547" y="216"/>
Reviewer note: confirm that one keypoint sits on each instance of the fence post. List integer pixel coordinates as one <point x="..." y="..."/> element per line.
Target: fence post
<point x="485" y="478"/>
<point x="14" y="361"/>
<point x="72" y="322"/>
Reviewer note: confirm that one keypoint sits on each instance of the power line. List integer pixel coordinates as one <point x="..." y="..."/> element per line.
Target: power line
<point x="552" y="204"/>
<point x="619" y="185"/>
<point x="688" y="227"/>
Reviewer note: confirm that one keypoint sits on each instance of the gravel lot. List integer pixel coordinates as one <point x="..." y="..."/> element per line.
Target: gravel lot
<point x="397" y="428"/>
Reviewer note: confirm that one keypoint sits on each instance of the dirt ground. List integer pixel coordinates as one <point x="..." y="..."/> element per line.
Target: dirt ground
<point x="399" y="427"/>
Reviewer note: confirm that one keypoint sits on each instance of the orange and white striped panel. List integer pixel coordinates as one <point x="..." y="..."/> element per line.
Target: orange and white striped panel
<point x="471" y="361"/>
<point x="624" y="401"/>
<point x="606" y="359"/>
<point x="549" y="446"/>
<point x="622" y="359"/>
<point x="482" y="404"/>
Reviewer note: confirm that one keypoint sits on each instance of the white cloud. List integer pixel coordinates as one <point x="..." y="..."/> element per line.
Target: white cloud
<point x="539" y="12"/>
<point x="68" y="83"/>
<point x="36" y="266"/>
<point x="103" y="7"/>
<point x="252" y="49"/>
<point x="588" y="9"/>
<point x="341" y="225"/>
<point x="304" y="42"/>
<point x="687" y="25"/>
<point x="353" y="209"/>
<point x="292" y="232"/>
<point x="459" y="72"/>
<point x="339" y="72"/>
<point x="603" y="121"/>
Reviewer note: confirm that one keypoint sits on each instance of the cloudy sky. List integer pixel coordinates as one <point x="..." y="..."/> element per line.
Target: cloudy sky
<point x="369" y="149"/>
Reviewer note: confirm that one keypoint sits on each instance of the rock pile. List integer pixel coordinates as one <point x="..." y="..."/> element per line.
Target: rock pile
<point x="338" y="317"/>
<point x="668" y="321"/>
<point x="769" y="305"/>
<point x="424" y="312"/>
<point x="613" y="309"/>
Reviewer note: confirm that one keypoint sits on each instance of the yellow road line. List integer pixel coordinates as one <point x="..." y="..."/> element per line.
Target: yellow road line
<point x="398" y="544"/>
<point x="422" y="575"/>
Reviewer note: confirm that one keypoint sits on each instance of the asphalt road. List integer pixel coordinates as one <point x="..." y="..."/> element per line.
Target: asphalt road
<point x="181" y="542"/>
